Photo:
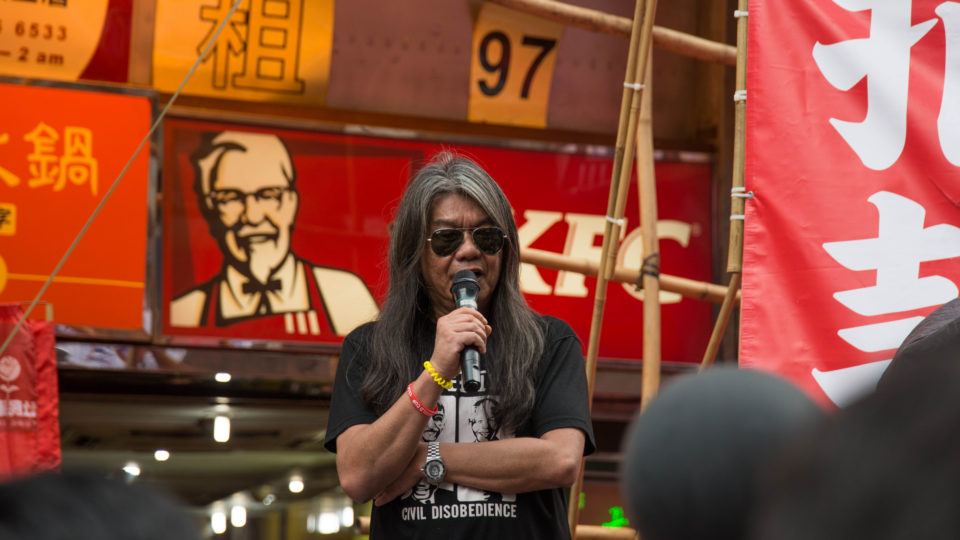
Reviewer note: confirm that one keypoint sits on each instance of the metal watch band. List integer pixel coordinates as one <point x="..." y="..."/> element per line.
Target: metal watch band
<point x="433" y="450"/>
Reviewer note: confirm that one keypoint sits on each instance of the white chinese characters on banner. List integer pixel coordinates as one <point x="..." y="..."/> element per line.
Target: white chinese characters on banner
<point x="884" y="59"/>
<point x="948" y="123"/>
<point x="853" y="149"/>
<point x="901" y="244"/>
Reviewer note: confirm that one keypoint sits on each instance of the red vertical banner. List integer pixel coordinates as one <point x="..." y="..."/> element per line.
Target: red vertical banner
<point x="29" y="427"/>
<point x="48" y="395"/>
<point x="853" y="149"/>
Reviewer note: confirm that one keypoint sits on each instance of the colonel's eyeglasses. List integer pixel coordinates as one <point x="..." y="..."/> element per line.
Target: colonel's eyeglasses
<point x="231" y="201"/>
<point x="445" y="242"/>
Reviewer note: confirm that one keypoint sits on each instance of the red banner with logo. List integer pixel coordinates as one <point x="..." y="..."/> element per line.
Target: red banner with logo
<point x="853" y="149"/>
<point x="29" y="425"/>
<point x="338" y="210"/>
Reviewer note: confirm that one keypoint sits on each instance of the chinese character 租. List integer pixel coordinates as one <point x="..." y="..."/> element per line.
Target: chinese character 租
<point x="269" y="47"/>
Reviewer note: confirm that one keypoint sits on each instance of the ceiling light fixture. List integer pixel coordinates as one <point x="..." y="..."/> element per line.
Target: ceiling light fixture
<point x="296" y="483"/>
<point x="346" y="516"/>
<point x="161" y="455"/>
<point x="328" y="523"/>
<point x="132" y="469"/>
<point x="221" y="429"/>
<point x="238" y="515"/>
<point x="222" y="376"/>
<point x="218" y="521"/>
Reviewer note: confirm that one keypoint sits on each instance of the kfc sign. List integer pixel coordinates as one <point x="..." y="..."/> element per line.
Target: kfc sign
<point x="853" y="145"/>
<point x="580" y="242"/>
<point x="281" y="235"/>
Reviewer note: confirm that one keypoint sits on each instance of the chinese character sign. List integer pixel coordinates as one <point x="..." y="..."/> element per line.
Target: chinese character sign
<point x="59" y="153"/>
<point x="853" y="152"/>
<point x="269" y="50"/>
<point x="65" y="39"/>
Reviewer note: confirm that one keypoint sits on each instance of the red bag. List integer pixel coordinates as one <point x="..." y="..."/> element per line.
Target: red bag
<point x="29" y="425"/>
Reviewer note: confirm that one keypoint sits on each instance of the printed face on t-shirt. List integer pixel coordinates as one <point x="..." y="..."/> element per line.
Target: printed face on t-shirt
<point x="434" y="425"/>
<point x="481" y="420"/>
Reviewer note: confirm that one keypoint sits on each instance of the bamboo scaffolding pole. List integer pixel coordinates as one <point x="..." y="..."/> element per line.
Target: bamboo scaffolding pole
<point x="689" y="288"/>
<point x="738" y="200"/>
<point x="623" y="154"/>
<point x="615" y="25"/>
<point x="721" y="326"/>
<point x="650" y="268"/>
<point x="639" y="52"/>
<point x="737" y="193"/>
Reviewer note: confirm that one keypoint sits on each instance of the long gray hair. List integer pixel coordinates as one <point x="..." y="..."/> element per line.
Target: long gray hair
<point x="401" y="339"/>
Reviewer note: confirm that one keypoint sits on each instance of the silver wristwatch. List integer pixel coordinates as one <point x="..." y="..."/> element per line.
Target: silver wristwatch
<point x="434" y="468"/>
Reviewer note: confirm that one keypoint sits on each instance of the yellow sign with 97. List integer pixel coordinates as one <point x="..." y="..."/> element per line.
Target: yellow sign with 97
<point x="512" y="67"/>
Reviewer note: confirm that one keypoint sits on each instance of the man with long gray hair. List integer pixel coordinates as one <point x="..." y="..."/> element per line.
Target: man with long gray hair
<point x="393" y="372"/>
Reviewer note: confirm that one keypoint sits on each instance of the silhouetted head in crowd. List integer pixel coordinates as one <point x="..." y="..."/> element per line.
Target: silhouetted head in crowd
<point x="691" y="459"/>
<point x="79" y="506"/>
<point x="888" y="466"/>
<point x="935" y="340"/>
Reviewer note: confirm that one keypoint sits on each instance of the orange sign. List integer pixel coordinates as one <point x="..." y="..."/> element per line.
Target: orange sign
<point x="512" y="68"/>
<point x="269" y="50"/>
<point x="56" y="39"/>
<point x="59" y="154"/>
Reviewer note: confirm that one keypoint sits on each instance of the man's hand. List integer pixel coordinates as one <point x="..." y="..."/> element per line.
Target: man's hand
<point x="407" y="480"/>
<point x="455" y="330"/>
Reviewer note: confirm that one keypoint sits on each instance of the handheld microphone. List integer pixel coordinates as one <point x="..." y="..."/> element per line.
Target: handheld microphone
<point x="465" y="290"/>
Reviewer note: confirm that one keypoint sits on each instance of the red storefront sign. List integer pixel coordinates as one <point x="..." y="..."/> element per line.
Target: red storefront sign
<point x="59" y="154"/>
<point x="853" y="148"/>
<point x="346" y="189"/>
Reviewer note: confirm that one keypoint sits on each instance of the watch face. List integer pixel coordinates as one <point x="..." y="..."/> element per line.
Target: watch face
<point x="434" y="470"/>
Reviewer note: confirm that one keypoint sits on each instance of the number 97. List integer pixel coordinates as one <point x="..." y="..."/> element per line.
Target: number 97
<point x="502" y="66"/>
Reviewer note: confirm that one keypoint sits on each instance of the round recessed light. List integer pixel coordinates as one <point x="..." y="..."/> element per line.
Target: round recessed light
<point x="296" y="484"/>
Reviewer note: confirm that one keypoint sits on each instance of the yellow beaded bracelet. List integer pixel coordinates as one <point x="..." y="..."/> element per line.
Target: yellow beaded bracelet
<point x="445" y="384"/>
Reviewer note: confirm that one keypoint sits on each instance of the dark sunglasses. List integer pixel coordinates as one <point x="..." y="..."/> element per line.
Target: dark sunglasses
<point x="445" y="242"/>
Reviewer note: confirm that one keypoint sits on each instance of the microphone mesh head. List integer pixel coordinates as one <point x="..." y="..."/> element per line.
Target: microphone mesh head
<point x="464" y="285"/>
<point x="464" y="275"/>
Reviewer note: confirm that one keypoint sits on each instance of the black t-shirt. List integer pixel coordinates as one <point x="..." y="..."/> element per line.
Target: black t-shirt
<point x="455" y="511"/>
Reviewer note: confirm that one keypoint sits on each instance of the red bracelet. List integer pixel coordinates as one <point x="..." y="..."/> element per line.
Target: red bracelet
<point x="416" y="403"/>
